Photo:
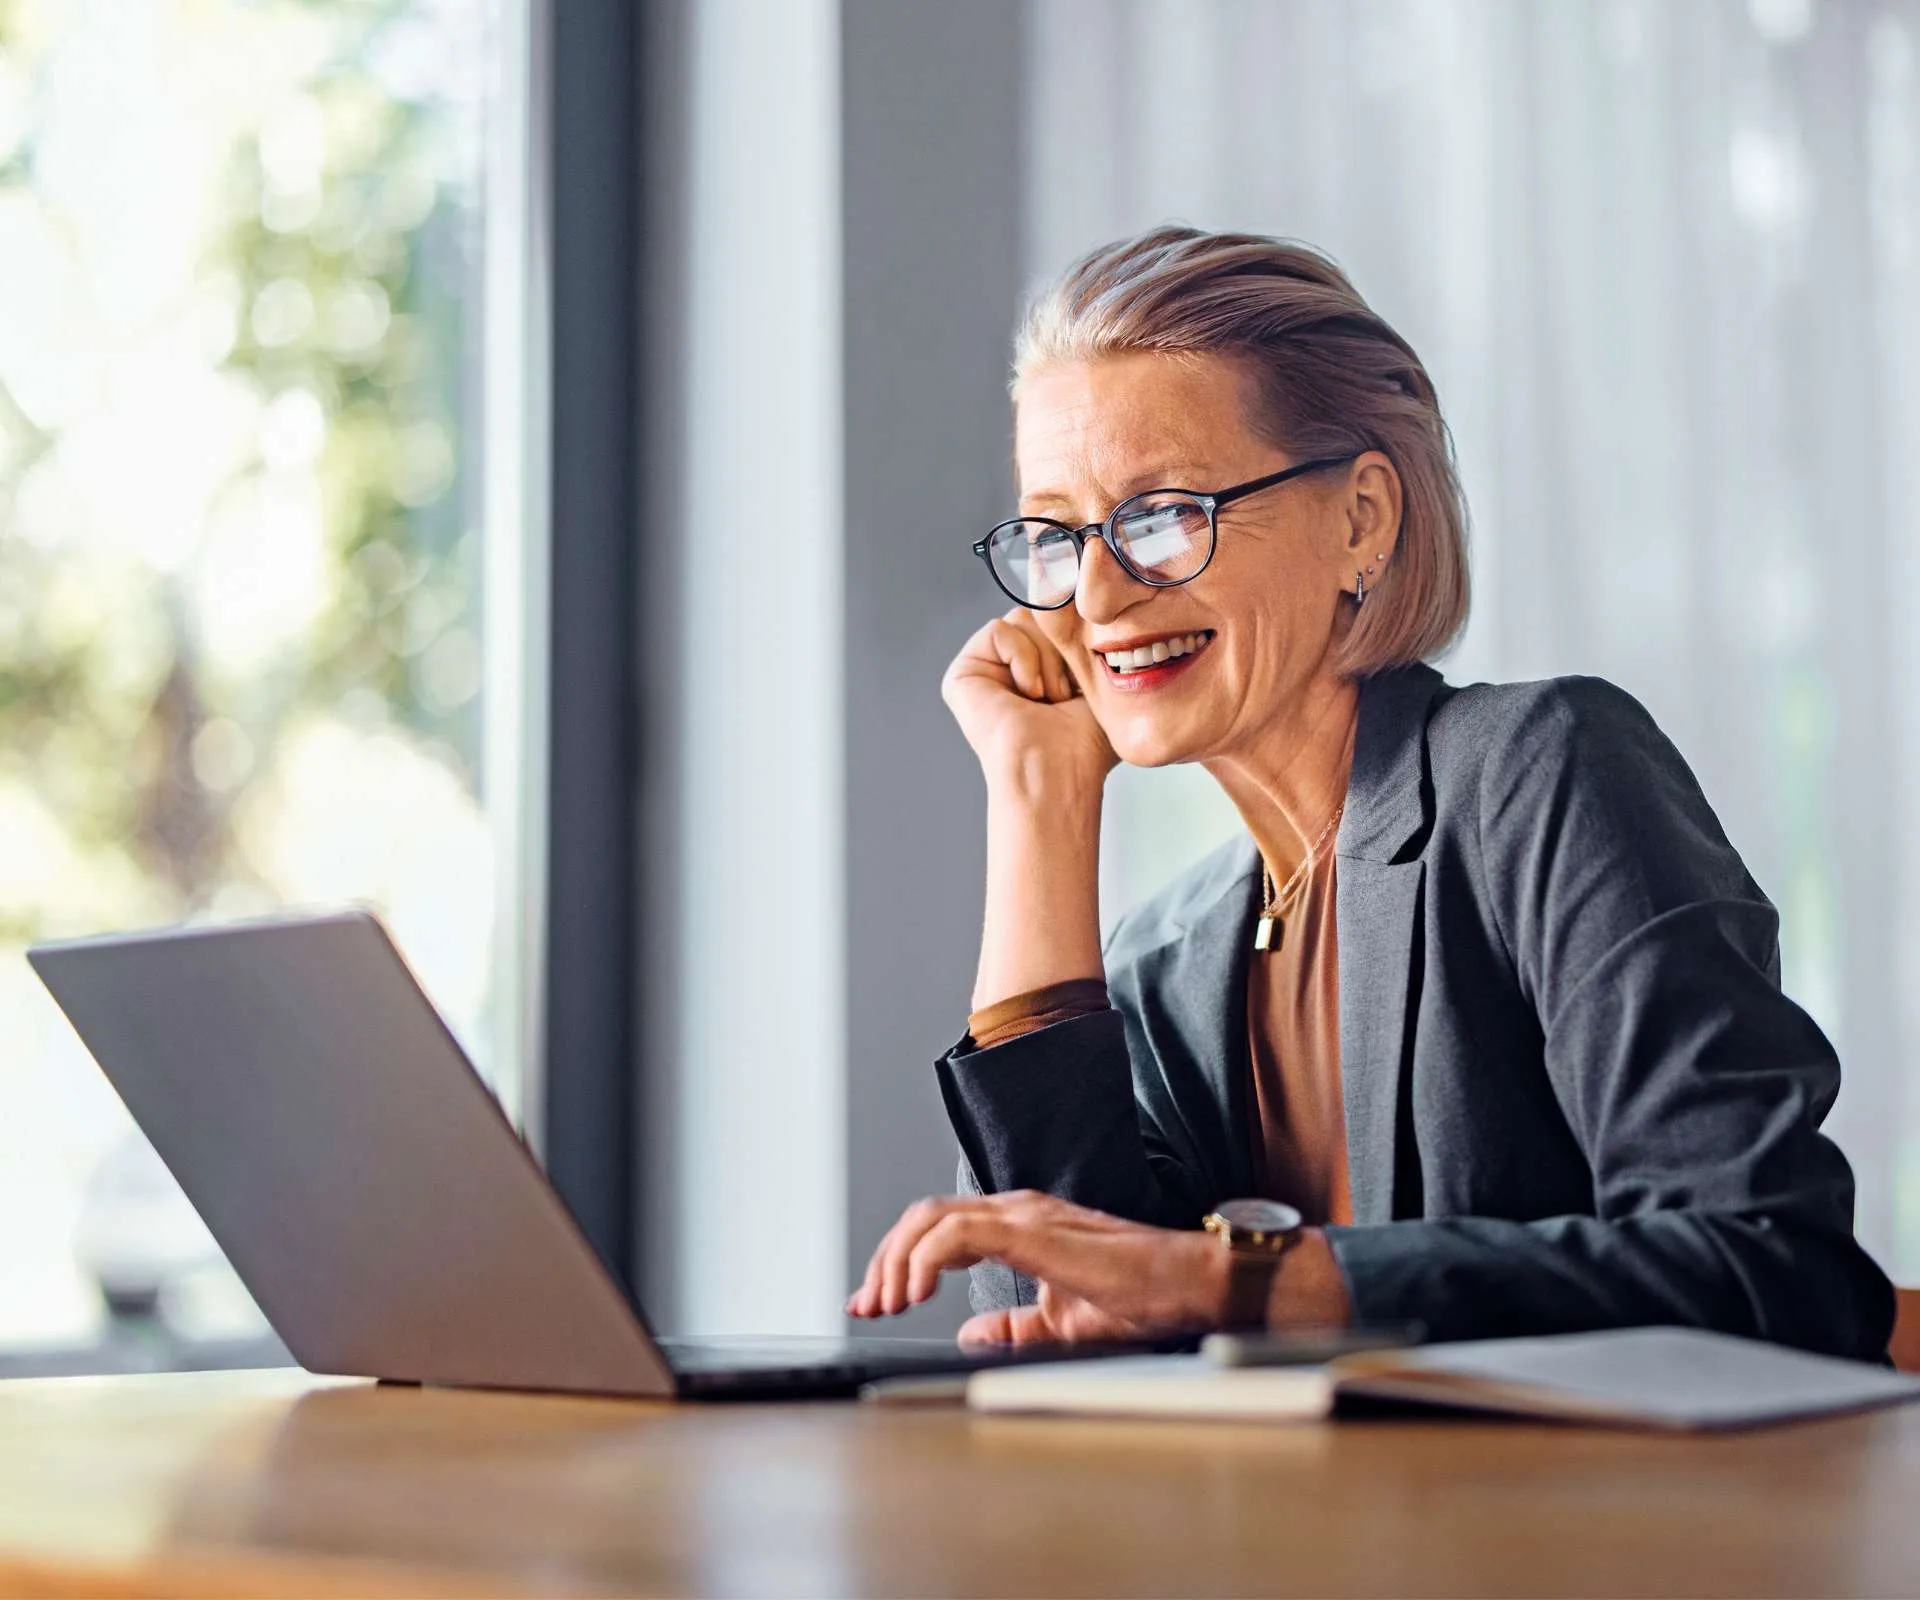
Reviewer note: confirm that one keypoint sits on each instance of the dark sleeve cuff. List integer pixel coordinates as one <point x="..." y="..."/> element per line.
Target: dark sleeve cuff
<point x="1756" y="1276"/>
<point x="1373" y="1266"/>
<point x="1053" y="1110"/>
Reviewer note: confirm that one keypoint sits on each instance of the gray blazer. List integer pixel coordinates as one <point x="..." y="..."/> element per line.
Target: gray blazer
<point x="1575" y="1095"/>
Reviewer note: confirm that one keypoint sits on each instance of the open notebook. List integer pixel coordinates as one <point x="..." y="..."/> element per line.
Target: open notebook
<point x="1676" y="1378"/>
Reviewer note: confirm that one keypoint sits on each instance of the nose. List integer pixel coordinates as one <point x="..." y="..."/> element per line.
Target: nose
<point x="1105" y="589"/>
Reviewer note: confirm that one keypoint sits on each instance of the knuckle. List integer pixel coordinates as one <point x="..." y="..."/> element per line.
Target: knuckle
<point x="950" y="1232"/>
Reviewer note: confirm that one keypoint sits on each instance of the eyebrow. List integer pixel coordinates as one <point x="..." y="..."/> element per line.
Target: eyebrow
<point x="1174" y="475"/>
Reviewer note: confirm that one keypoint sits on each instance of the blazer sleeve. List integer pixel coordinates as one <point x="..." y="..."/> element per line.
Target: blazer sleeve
<point x="1694" y="1086"/>
<point x="1055" y="1109"/>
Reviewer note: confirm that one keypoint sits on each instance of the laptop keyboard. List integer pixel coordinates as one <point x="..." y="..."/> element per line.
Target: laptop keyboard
<point x="772" y="1369"/>
<point x="691" y="1356"/>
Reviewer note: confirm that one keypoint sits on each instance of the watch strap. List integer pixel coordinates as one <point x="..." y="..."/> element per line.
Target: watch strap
<point x="1249" y="1287"/>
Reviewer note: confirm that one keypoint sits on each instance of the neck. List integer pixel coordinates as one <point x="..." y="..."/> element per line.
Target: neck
<point x="1287" y="787"/>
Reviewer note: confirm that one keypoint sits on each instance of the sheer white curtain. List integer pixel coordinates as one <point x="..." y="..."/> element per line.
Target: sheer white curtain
<point x="1664" y="263"/>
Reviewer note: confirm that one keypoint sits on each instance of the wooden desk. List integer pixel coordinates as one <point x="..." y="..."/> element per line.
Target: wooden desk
<point x="231" y="1484"/>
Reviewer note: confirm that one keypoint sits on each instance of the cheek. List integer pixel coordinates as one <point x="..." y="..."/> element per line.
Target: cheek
<point x="1289" y="632"/>
<point x="1272" y="583"/>
<point x="1061" y="630"/>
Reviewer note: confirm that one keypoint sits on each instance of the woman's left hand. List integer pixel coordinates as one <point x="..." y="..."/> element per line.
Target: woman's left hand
<point x="1101" y="1277"/>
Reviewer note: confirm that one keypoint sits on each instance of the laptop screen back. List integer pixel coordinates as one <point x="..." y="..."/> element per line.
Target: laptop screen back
<point x="355" y="1169"/>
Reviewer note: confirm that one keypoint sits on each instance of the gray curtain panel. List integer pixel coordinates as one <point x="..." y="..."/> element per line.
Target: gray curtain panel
<point x="1664" y="262"/>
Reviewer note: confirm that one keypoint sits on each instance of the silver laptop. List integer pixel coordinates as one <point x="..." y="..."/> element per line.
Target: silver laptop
<point x="367" y="1187"/>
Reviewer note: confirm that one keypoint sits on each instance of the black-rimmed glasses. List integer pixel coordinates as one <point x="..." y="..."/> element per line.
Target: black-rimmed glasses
<point x="1163" y="537"/>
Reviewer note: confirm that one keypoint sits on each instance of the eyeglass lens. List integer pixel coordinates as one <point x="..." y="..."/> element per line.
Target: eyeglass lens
<point x="1162" y="538"/>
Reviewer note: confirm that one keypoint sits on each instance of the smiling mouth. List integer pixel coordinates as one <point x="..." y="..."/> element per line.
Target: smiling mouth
<point x="1123" y="663"/>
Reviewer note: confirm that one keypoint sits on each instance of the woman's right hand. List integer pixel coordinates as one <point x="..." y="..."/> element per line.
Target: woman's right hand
<point x="1022" y="711"/>
<point x="1046" y="761"/>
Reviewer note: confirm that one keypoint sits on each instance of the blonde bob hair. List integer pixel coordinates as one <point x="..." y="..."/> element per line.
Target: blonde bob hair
<point x="1327" y="378"/>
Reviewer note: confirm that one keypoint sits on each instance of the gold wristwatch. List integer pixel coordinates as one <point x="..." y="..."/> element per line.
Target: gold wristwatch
<point x="1256" y="1234"/>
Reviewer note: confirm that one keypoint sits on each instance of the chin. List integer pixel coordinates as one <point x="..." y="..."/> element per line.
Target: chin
<point x="1148" y="746"/>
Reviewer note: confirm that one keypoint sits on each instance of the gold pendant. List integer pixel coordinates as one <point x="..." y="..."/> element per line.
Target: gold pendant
<point x="1266" y="934"/>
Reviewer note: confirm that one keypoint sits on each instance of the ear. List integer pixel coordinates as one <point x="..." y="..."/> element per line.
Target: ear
<point x="1374" y="498"/>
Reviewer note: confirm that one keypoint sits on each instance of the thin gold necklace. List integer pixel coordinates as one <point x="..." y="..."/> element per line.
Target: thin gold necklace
<point x="1268" y="930"/>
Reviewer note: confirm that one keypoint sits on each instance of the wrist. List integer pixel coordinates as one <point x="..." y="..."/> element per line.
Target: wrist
<point x="1042" y="917"/>
<point x="1037" y="777"/>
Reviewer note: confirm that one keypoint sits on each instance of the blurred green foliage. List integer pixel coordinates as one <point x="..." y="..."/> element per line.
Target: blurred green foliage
<point x="339" y="261"/>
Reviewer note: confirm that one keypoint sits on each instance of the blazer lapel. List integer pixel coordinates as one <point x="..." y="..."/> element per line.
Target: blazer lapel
<point x="1223" y="943"/>
<point x="1381" y="875"/>
<point x="1379" y="905"/>
<point x="1201" y="981"/>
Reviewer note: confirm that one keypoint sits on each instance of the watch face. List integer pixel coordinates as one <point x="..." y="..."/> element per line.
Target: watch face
<point x="1259" y="1216"/>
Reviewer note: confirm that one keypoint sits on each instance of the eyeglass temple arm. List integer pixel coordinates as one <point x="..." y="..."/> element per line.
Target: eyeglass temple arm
<point x="1240" y="491"/>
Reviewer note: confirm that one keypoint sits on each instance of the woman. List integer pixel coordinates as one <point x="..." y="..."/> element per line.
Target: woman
<point x="1485" y="996"/>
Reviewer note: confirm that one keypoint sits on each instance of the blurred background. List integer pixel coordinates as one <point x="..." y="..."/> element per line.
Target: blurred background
<point x="242" y="558"/>
<point x="512" y="463"/>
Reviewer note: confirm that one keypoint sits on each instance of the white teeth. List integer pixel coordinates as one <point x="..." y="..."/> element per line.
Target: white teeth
<point x="1150" y="655"/>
